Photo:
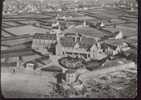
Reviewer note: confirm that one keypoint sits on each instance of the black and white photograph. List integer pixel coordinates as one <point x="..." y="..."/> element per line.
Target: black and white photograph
<point x="69" y="48"/>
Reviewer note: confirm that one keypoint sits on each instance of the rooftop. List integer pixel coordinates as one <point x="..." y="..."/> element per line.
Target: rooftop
<point x="67" y="41"/>
<point x="85" y="42"/>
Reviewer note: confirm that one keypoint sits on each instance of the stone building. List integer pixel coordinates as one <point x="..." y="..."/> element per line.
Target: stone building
<point x="79" y="46"/>
<point x="70" y="76"/>
<point x="44" y="42"/>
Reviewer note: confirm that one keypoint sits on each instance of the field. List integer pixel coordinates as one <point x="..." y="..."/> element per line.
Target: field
<point x="25" y="84"/>
<point x="18" y="30"/>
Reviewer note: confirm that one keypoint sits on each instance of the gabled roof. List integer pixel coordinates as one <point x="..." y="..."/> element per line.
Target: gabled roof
<point x="84" y="42"/>
<point x="45" y="36"/>
<point x="67" y="42"/>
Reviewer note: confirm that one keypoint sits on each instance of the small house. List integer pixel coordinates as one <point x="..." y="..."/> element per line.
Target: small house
<point x="30" y="65"/>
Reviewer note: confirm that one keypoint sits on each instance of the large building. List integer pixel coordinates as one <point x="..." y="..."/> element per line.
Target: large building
<point x="77" y="45"/>
<point x="80" y="41"/>
<point x="44" y="43"/>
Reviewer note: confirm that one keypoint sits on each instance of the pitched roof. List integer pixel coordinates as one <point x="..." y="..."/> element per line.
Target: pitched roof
<point x="67" y="41"/>
<point x="45" y="36"/>
<point x="85" y="42"/>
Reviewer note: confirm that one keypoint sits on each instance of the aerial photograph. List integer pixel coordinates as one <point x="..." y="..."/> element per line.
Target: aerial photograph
<point x="69" y="48"/>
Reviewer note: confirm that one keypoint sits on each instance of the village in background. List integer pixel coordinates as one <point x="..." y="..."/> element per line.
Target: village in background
<point x="69" y="48"/>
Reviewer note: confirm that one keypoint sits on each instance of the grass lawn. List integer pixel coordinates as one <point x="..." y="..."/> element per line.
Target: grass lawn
<point x="25" y="84"/>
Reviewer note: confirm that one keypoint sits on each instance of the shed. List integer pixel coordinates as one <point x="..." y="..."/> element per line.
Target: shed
<point x="31" y="65"/>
